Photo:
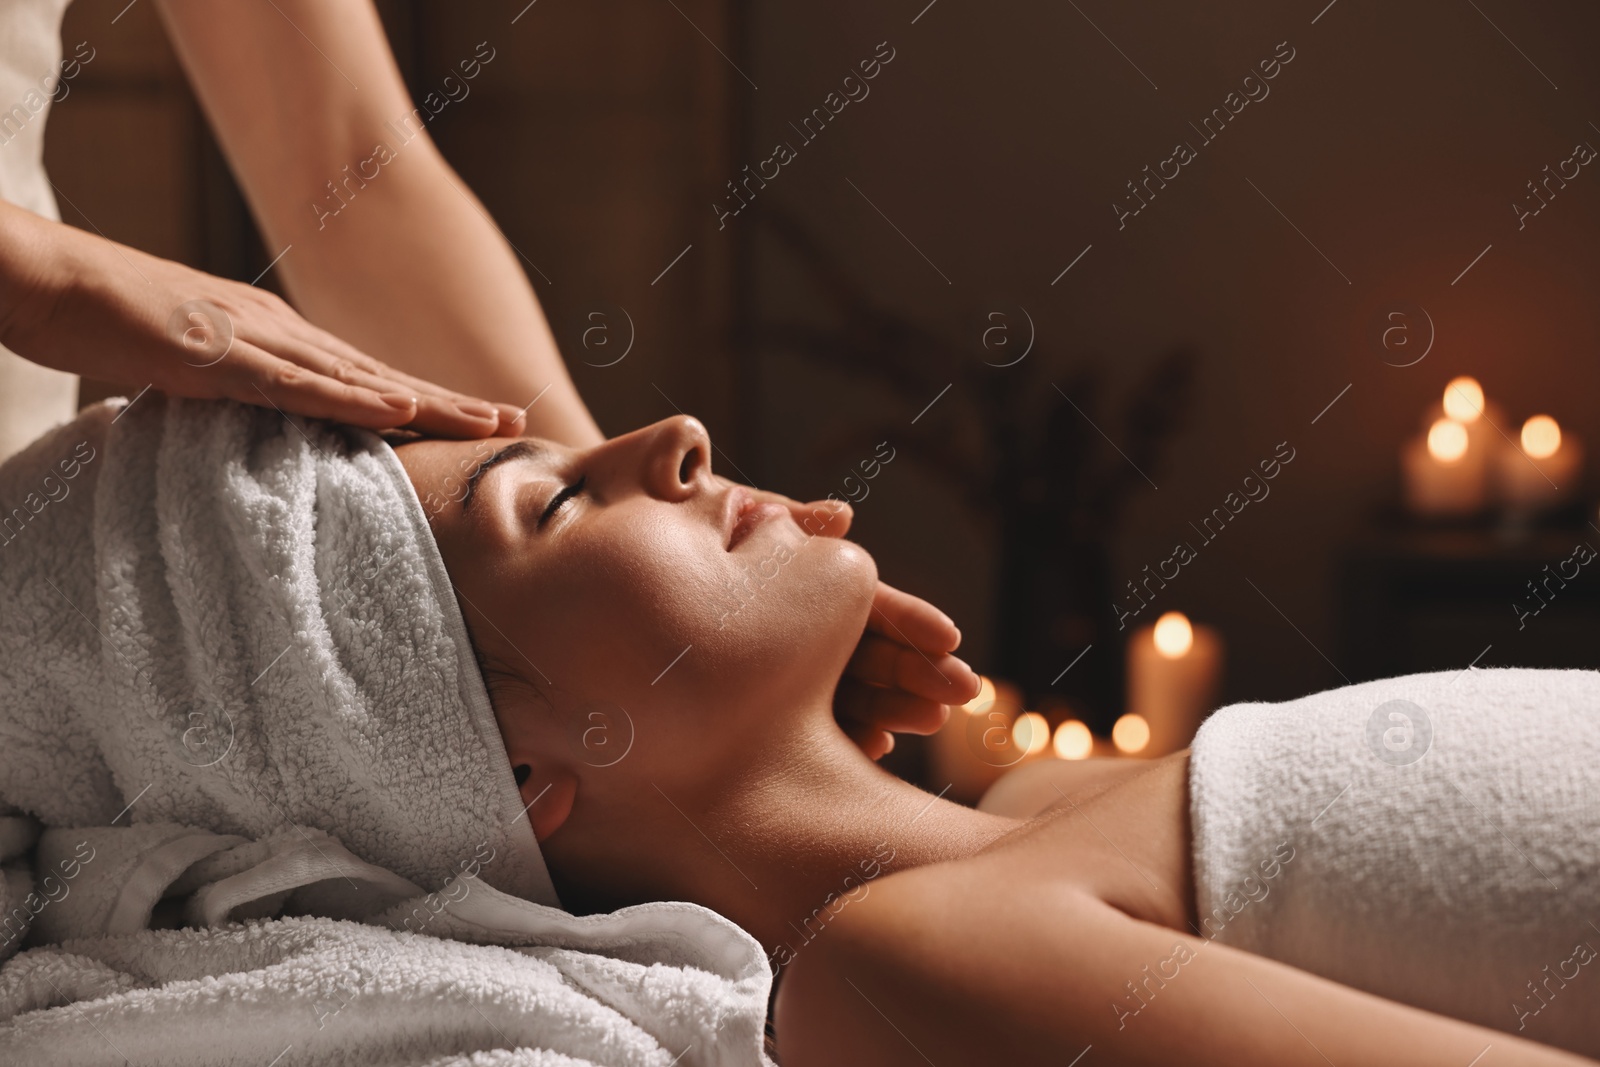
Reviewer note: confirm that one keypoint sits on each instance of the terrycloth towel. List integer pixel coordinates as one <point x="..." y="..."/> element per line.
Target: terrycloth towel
<point x="227" y="619"/>
<point x="1433" y="839"/>
<point x="236" y="631"/>
<point x="465" y="975"/>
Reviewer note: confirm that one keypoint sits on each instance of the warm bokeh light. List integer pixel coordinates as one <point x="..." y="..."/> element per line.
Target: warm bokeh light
<point x="1131" y="733"/>
<point x="1073" y="740"/>
<point x="983" y="700"/>
<point x="1173" y="634"/>
<point x="1463" y="399"/>
<point x="1541" y="437"/>
<point x="1031" y="732"/>
<point x="1447" y="440"/>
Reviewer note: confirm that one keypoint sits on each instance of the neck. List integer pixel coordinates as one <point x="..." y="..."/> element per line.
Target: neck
<point x="788" y="843"/>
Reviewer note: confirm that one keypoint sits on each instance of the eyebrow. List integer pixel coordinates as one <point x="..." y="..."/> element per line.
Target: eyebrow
<point x="519" y="449"/>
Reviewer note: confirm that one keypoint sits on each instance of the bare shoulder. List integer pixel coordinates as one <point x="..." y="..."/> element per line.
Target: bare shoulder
<point x="1117" y="831"/>
<point x="961" y="952"/>
<point x="1030" y="789"/>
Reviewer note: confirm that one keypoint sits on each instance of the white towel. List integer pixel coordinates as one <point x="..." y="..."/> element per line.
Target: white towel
<point x="224" y="618"/>
<point x="235" y="631"/>
<point x="1433" y="839"/>
<point x="463" y="975"/>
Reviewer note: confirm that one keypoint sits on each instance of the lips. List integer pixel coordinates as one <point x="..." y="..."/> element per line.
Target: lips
<point x="746" y="513"/>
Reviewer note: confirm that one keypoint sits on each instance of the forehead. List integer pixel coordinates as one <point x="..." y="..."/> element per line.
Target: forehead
<point x="442" y="469"/>
<point x="438" y="456"/>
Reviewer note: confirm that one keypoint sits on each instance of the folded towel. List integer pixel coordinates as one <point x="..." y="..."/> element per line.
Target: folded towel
<point x="1434" y="839"/>
<point x="223" y="618"/>
<point x="463" y="975"/>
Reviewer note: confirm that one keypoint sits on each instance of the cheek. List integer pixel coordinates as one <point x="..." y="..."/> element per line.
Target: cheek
<point x="688" y="639"/>
<point x="795" y="599"/>
<point x="652" y="596"/>
<point x="619" y="606"/>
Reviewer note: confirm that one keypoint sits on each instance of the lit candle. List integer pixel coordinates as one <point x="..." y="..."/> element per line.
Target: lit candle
<point x="1073" y="740"/>
<point x="976" y="745"/>
<point x="1443" y="476"/>
<point x="1445" y="468"/>
<point x="1463" y="400"/>
<point x="1131" y="734"/>
<point x="1030" y="733"/>
<point x="1174" y="669"/>
<point x="1543" y="471"/>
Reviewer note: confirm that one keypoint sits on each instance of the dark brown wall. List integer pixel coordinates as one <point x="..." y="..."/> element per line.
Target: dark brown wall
<point x="997" y="141"/>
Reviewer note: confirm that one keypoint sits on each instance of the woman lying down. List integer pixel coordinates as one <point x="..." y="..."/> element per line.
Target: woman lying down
<point x="1399" y="872"/>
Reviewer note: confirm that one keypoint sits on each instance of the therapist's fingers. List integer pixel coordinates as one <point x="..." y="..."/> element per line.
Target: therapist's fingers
<point x="824" y="518"/>
<point x="874" y="742"/>
<point x="437" y="412"/>
<point x="937" y="676"/>
<point x="254" y="376"/>
<point x="434" y="400"/>
<point x="912" y="621"/>
<point x="260" y="378"/>
<point x="888" y="709"/>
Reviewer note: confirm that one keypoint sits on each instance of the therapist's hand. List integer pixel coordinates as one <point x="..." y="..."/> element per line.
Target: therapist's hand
<point x="902" y="677"/>
<point x="84" y="304"/>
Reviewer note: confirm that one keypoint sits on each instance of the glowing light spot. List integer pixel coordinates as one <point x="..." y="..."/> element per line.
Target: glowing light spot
<point x="1174" y="636"/>
<point x="1463" y="399"/>
<point x="1130" y="734"/>
<point x="1541" y="437"/>
<point x="1030" y="732"/>
<point x="1073" y="740"/>
<point x="1447" y="440"/>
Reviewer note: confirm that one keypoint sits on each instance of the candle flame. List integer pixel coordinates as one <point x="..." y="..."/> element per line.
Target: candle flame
<point x="1173" y="635"/>
<point x="1541" y="437"/>
<point x="1447" y="440"/>
<point x="1131" y="734"/>
<point x="1030" y="732"/>
<point x="1073" y="740"/>
<point x="1463" y="399"/>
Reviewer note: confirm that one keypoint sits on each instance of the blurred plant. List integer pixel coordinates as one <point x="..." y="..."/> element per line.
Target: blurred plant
<point x="1017" y="445"/>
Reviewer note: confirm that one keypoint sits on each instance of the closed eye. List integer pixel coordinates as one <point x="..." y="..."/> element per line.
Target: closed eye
<point x="561" y="498"/>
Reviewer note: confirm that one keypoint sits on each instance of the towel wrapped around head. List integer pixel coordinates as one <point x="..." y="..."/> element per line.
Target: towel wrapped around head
<point x="222" y="617"/>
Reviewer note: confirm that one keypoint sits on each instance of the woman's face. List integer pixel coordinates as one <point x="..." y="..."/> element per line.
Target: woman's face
<point x="660" y="619"/>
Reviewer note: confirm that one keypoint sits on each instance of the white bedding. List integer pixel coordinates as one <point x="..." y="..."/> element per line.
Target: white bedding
<point x="466" y="975"/>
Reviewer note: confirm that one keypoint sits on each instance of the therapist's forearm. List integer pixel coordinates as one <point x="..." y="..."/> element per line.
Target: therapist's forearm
<point x="411" y="270"/>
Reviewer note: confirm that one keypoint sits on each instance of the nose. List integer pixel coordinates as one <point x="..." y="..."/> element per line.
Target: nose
<point x="679" y="458"/>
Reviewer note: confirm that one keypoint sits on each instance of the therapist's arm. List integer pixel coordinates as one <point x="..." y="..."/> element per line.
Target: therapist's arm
<point x="410" y="269"/>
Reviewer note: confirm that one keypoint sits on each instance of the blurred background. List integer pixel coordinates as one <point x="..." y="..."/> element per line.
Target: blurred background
<point x="978" y="295"/>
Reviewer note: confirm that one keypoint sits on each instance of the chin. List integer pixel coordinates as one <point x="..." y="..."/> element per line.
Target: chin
<point x="806" y="606"/>
<point x="844" y="578"/>
<point x="858" y="565"/>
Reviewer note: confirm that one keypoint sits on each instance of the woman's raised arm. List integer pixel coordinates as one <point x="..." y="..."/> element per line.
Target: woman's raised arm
<point x="386" y="247"/>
